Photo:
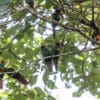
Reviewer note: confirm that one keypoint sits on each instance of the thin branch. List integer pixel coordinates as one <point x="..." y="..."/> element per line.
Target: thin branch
<point x="71" y="53"/>
<point x="62" y="54"/>
<point x="36" y="14"/>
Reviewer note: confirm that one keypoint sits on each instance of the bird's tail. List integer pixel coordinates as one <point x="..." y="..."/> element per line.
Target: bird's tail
<point x="54" y="33"/>
<point x="16" y="75"/>
<point x="20" y="78"/>
<point x="1" y="79"/>
<point x="1" y="83"/>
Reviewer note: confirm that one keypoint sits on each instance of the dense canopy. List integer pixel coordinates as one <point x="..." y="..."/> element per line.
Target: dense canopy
<point x="69" y="33"/>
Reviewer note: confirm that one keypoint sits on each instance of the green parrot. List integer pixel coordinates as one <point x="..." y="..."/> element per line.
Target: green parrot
<point x="30" y="3"/>
<point x="55" y="53"/>
<point x="1" y="73"/>
<point x="46" y="52"/>
<point x="56" y="17"/>
<point x="2" y="64"/>
<point x="16" y="75"/>
<point x="10" y="72"/>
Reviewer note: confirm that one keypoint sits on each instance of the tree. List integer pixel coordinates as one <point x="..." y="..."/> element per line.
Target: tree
<point x="24" y="29"/>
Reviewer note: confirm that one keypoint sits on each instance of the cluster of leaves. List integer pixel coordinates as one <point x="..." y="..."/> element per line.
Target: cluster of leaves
<point x="24" y="29"/>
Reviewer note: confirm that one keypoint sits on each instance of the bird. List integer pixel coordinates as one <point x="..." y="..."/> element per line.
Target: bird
<point x="1" y="73"/>
<point x="2" y="64"/>
<point x="30" y="2"/>
<point x="16" y="75"/>
<point x="96" y="36"/>
<point x="46" y="54"/>
<point x="11" y="73"/>
<point x="1" y="79"/>
<point x="56" y="17"/>
<point x="55" y="54"/>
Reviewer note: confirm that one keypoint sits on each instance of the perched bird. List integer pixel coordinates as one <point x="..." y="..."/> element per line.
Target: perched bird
<point x="96" y="32"/>
<point x="46" y="54"/>
<point x="10" y="72"/>
<point x="1" y="79"/>
<point x="96" y="36"/>
<point x="1" y="73"/>
<point x="16" y="75"/>
<point x="2" y="64"/>
<point x="55" y="54"/>
<point x="30" y="3"/>
<point x="56" y="17"/>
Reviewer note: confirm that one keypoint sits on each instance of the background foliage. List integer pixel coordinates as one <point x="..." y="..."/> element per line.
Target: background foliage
<point x="24" y="29"/>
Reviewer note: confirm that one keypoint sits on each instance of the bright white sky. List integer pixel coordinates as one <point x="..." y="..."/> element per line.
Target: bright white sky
<point x="62" y="93"/>
<point x="66" y="94"/>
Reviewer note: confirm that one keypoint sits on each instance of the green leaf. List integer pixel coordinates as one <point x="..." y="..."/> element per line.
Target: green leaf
<point x="49" y="3"/>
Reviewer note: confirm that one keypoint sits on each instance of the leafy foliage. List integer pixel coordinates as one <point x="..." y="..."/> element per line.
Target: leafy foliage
<point x="24" y="29"/>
